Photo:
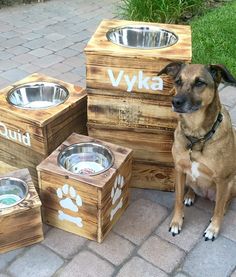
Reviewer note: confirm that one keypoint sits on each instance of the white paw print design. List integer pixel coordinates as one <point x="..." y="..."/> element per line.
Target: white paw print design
<point x="69" y="200"/>
<point x="116" y="193"/>
<point x="117" y="188"/>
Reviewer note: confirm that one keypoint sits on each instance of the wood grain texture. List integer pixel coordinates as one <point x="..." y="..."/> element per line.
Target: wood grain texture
<point x="32" y="199"/>
<point x="97" y="77"/>
<point x="126" y="111"/>
<point x="45" y="129"/>
<point x="103" y="55"/>
<point x="153" y="165"/>
<point x="6" y="168"/>
<point x="20" y="157"/>
<point x="95" y="191"/>
<point x="130" y="105"/>
<point x="49" y="183"/>
<point x="152" y="176"/>
<point x="182" y="50"/>
<point x="107" y="204"/>
<point x="25" y="217"/>
<point x="153" y="145"/>
<point x="50" y="163"/>
<point x="45" y="116"/>
<point x="27" y="230"/>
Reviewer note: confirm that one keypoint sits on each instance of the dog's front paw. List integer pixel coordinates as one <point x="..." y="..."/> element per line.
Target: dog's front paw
<point x="211" y="232"/>
<point x="175" y="226"/>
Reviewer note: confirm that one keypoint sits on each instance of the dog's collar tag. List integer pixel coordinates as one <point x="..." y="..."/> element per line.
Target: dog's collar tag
<point x="194" y="140"/>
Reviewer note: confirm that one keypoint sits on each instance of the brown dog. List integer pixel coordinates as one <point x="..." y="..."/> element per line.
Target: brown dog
<point x="204" y="148"/>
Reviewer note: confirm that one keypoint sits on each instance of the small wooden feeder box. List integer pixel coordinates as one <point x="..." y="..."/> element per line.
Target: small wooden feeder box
<point x="36" y="115"/>
<point x="128" y="103"/>
<point x="20" y="215"/>
<point x="84" y="186"/>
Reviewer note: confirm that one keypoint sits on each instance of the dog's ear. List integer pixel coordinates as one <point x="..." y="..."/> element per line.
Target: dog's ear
<point x="172" y="69"/>
<point x="219" y="72"/>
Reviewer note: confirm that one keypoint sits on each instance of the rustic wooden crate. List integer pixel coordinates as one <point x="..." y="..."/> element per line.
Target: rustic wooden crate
<point x="103" y="55"/>
<point x="46" y="128"/>
<point x="100" y="209"/>
<point x="140" y="117"/>
<point x="21" y="225"/>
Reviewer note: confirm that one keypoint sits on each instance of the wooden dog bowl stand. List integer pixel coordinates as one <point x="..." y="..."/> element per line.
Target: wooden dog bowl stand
<point x="29" y="136"/>
<point x="138" y="116"/>
<point x="21" y="225"/>
<point x="95" y="202"/>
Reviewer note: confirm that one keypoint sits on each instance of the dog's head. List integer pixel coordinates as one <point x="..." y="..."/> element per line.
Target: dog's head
<point x="195" y="84"/>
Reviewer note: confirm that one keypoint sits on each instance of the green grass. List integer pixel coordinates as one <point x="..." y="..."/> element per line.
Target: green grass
<point x="165" y="11"/>
<point x="214" y="37"/>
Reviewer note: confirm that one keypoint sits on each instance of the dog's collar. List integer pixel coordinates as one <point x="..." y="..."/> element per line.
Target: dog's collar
<point x="194" y="140"/>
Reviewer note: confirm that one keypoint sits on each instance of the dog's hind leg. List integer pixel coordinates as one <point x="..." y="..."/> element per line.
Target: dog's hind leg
<point x="189" y="197"/>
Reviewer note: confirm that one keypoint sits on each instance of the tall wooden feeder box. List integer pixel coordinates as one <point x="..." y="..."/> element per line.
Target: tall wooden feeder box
<point x="128" y="103"/>
<point x="36" y="115"/>
<point x="84" y="186"/>
<point x="20" y="215"/>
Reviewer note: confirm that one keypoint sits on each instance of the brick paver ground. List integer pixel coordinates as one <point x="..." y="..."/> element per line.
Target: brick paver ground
<point x="49" y="38"/>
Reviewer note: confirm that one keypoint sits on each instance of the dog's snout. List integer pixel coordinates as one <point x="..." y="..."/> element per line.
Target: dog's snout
<point x="178" y="101"/>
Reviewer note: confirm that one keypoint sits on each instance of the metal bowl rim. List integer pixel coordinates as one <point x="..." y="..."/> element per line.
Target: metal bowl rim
<point x="139" y="26"/>
<point x="20" y="181"/>
<point x="86" y="143"/>
<point x="34" y="84"/>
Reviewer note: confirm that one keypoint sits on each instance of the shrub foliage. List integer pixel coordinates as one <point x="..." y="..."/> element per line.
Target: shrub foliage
<point x="12" y="2"/>
<point x="166" y="11"/>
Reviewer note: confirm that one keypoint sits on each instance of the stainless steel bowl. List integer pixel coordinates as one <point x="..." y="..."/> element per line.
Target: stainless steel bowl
<point x="37" y="95"/>
<point x="142" y="37"/>
<point x="12" y="192"/>
<point x="86" y="158"/>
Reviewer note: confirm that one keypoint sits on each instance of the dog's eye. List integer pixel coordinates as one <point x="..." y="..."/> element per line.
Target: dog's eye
<point x="199" y="83"/>
<point x="178" y="82"/>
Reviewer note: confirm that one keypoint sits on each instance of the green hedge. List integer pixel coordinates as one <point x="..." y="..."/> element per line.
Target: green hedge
<point x="13" y="2"/>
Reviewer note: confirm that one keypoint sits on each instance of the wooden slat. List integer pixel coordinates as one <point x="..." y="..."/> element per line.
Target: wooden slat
<point x="98" y="77"/>
<point x="73" y="121"/>
<point x="27" y="230"/>
<point x="6" y="168"/>
<point x="126" y="111"/>
<point x="50" y="218"/>
<point x="148" y="145"/>
<point x="35" y="136"/>
<point x="152" y="176"/>
<point x="153" y="161"/>
<point x="20" y="157"/>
